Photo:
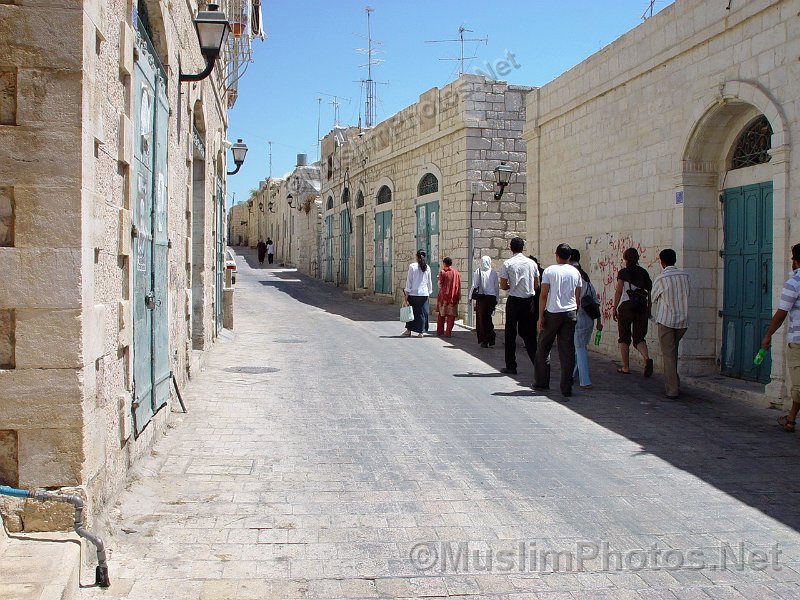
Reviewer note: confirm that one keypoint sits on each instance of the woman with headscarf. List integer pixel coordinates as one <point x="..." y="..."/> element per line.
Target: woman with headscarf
<point x="485" y="291"/>
<point x="448" y="298"/>
<point x="419" y="287"/>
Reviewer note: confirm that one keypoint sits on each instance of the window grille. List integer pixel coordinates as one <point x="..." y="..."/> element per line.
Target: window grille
<point x="360" y="199"/>
<point x="384" y="195"/>
<point x="329" y="205"/>
<point x="428" y="185"/>
<point x="753" y="145"/>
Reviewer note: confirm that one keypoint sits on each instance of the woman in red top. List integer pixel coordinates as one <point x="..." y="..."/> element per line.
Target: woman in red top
<point x="448" y="299"/>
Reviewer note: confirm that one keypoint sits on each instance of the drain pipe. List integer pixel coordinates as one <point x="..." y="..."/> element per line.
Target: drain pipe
<point x="101" y="572"/>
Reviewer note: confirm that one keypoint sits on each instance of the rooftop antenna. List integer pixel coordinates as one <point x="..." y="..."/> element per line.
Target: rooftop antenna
<point x="319" y="117"/>
<point x="461" y="39"/>
<point x="370" y="112"/>
<point x="335" y="103"/>
<point x="270" y="159"/>
<point x="649" y="9"/>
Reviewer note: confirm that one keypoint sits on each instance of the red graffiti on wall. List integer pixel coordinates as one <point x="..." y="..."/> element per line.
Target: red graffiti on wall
<point x="606" y="267"/>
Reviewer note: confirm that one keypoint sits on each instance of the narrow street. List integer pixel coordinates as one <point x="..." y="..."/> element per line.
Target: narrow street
<point x="325" y="456"/>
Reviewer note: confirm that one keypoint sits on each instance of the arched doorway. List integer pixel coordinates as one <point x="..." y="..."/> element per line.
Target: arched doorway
<point x="731" y="225"/>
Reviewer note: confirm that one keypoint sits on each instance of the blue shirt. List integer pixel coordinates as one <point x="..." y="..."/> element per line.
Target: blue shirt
<point x="790" y="302"/>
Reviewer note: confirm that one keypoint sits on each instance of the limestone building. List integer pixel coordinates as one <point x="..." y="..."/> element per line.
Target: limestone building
<point x="682" y="134"/>
<point x="112" y="179"/>
<point x="416" y="180"/>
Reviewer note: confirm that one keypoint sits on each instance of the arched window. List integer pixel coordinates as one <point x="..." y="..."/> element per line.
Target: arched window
<point x="384" y="195"/>
<point x="360" y="199"/>
<point x="753" y="145"/>
<point x="329" y="204"/>
<point x="346" y="196"/>
<point x="428" y="185"/>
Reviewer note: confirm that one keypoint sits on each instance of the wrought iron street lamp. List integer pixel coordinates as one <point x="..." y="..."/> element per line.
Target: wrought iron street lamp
<point x="270" y="206"/>
<point x="212" y="29"/>
<point x="261" y="207"/>
<point x="290" y="200"/>
<point x="502" y="177"/>
<point x="239" y="151"/>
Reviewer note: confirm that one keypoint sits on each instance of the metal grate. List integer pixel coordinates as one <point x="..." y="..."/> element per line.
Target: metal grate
<point x="753" y="145"/>
<point x="385" y="194"/>
<point x="428" y="185"/>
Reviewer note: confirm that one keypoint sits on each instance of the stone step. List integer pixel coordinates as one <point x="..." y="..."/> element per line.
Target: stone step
<point x="39" y="566"/>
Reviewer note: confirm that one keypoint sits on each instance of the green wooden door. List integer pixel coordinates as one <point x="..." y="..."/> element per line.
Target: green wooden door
<point x="383" y="252"/>
<point x="344" y="246"/>
<point x="360" y="251"/>
<point x="150" y="245"/>
<point x="748" y="280"/>
<point x="428" y="238"/>
<point x="328" y="259"/>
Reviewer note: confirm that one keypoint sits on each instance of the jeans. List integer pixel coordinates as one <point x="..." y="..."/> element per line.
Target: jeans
<point x="420" y="306"/>
<point x="583" y="333"/>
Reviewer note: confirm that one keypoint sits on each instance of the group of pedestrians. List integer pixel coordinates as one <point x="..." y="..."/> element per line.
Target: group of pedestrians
<point x="265" y="249"/>
<point x="560" y="306"/>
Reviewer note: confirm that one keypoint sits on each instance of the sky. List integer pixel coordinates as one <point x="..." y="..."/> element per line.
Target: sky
<point x="311" y="52"/>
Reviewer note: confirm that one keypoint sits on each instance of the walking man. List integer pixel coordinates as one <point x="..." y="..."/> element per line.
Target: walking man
<point x="519" y="275"/>
<point x="558" y="313"/>
<point x="671" y="296"/>
<point x="789" y="305"/>
<point x="270" y="250"/>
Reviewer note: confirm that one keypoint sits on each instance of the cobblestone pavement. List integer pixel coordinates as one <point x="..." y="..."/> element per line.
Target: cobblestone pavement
<point x="324" y="456"/>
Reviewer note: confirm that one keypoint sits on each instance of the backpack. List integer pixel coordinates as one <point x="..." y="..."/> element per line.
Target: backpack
<point x="638" y="293"/>
<point x="589" y="302"/>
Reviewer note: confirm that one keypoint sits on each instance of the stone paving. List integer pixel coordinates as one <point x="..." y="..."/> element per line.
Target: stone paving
<point x="324" y="456"/>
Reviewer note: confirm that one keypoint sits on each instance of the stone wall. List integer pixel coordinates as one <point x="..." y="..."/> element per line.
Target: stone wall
<point x="66" y="326"/>
<point x="459" y="134"/>
<point x="632" y="148"/>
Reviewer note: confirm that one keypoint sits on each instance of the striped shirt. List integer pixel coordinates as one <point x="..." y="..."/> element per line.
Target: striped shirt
<point x="790" y="302"/>
<point x="671" y="293"/>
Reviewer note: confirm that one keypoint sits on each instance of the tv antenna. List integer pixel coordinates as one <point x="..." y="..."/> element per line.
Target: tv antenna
<point x="461" y="39"/>
<point x="370" y="115"/>
<point x="649" y="10"/>
<point x="335" y="103"/>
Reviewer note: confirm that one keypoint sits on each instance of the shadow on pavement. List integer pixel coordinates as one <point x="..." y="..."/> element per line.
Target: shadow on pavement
<point x="728" y="443"/>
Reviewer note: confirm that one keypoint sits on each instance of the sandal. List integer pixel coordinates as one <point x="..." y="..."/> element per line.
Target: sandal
<point x="786" y="424"/>
<point x="623" y="371"/>
<point x="648" y="368"/>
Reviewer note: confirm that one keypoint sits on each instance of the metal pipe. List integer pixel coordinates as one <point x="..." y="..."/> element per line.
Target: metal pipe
<point x="101" y="572"/>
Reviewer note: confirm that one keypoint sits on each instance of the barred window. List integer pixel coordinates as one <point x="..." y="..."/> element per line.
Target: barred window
<point x="384" y="195"/>
<point x="753" y="145"/>
<point x="360" y="199"/>
<point x="329" y="204"/>
<point x="428" y="185"/>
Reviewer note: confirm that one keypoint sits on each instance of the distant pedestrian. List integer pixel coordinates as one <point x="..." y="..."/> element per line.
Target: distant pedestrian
<point x="448" y="298"/>
<point x="485" y="291"/>
<point x="789" y="305"/>
<point x="671" y="297"/>
<point x="632" y="310"/>
<point x="270" y="250"/>
<point x="519" y="275"/>
<point x="419" y="287"/>
<point x="558" y="313"/>
<point x="584" y="326"/>
<point x="262" y="251"/>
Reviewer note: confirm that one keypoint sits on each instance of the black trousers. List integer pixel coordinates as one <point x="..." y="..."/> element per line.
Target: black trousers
<point x="270" y="257"/>
<point x="484" y="327"/>
<point x="559" y="326"/>
<point x="520" y="320"/>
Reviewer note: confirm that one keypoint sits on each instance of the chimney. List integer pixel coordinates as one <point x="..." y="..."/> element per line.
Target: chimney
<point x="302" y="160"/>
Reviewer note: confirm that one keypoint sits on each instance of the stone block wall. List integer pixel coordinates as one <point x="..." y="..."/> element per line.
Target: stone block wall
<point x="459" y="134"/>
<point x="631" y="147"/>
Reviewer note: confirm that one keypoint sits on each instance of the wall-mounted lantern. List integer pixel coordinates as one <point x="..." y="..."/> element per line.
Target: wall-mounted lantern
<point x="290" y="200"/>
<point x="239" y="151"/>
<point x="502" y="177"/>
<point x="271" y="206"/>
<point x="261" y="207"/>
<point x="212" y="29"/>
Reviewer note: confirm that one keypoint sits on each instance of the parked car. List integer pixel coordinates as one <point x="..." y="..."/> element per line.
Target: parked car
<point x="230" y="263"/>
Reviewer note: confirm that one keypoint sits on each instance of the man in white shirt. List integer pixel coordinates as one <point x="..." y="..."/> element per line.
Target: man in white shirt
<point x="558" y="313"/>
<point x="519" y="275"/>
<point x="789" y="305"/>
<point x="670" y="295"/>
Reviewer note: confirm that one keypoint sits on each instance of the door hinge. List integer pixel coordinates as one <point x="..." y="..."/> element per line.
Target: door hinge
<point x="719" y="314"/>
<point x="169" y="243"/>
<point x="722" y="198"/>
<point x="134" y="231"/>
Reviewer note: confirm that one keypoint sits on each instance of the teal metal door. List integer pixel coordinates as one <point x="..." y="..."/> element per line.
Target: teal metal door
<point x="328" y="267"/>
<point x="360" y="251"/>
<point x="428" y="238"/>
<point x="344" y="246"/>
<point x="383" y="252"/>
<point x="150" y="245"/>
<point x="748" y="280"/>
<point x="219" y="264"/>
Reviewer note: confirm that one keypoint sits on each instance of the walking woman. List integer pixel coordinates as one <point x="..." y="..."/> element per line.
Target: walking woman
<point x="485" y="291"/>
<point x="448" y="298"/>
<point x="631" y="311"/>
<point x="588" y="312"/>
<point x="419" y="287"/>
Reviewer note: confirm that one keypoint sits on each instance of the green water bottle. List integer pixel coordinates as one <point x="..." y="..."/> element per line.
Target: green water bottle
<point x="760" y="356"/>
<point x="597" y="337"/>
